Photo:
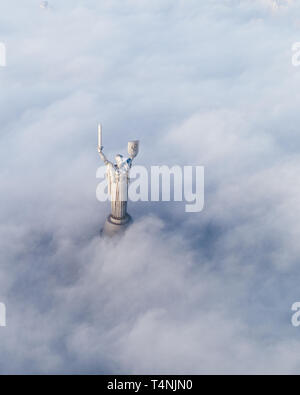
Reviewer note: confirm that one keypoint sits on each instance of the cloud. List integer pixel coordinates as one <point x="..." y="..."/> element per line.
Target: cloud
<point x="209" y="84"/>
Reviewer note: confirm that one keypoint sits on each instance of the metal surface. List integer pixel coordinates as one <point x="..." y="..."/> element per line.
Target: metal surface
<point x="117" y="175"/>
<point x="133" y="148"/>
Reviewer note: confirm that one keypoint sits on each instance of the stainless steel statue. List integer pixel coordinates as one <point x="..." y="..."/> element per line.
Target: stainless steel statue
<point x="118" y="179"/>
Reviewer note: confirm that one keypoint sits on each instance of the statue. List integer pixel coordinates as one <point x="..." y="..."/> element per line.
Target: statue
<point x="117" y="178"/>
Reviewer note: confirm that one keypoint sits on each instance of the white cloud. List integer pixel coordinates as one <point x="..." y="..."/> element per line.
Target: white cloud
<point x="207" y="83"/>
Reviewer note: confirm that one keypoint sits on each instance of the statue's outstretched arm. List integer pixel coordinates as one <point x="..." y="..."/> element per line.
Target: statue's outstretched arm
<point x="102" y="156"/>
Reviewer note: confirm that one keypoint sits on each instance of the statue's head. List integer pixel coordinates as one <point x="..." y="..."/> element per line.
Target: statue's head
<point x="119" y="160"/>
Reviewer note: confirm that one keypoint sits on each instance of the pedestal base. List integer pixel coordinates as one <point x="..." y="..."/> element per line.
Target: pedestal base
<point x="114" y="226"/>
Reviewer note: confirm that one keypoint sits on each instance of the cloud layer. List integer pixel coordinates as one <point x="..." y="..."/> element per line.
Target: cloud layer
<point x="209" y="84"/>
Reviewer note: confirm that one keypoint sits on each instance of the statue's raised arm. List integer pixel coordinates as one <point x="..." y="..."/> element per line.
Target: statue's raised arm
<point x="133" y="149"/>
<point x="102" y="156"/>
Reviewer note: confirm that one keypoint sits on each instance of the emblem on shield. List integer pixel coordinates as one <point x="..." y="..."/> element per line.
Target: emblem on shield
<point x="133" y="148"/>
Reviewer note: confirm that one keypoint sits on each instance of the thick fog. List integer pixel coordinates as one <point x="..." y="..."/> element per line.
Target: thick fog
<point x="208" y="83"/>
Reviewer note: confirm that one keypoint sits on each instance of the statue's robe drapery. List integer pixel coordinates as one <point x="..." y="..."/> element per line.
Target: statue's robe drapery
<point x="117" y="179"/>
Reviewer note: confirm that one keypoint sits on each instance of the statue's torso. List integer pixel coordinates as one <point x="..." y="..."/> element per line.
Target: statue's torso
<point x="117" y="179"/>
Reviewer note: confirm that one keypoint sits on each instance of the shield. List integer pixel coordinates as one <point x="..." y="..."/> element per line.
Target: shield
<point x="133" y="148"/>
